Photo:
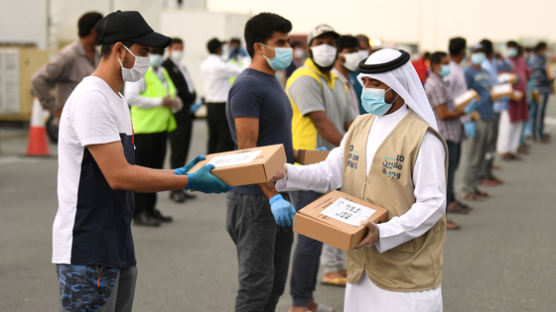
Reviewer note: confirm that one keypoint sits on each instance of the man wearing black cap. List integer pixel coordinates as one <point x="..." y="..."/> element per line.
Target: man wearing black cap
<point x="216" y="76"/>
<point x="91" y="237"/>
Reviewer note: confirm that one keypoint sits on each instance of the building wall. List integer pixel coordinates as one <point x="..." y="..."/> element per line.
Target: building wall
<point x="19" y="25"/>
<point x="186" y="25"/>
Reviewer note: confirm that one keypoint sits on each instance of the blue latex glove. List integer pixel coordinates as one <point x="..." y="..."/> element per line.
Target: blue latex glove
<point x="186" y="168"/>
<point x="322" y="149"/>
<point x="202" y="180"/>
<point x="194" y="107"/>
<point x="472" y="106"/>
<point x="505" y="99"/>
<point x="470" y="129"/>
<point x="282" y="210"/>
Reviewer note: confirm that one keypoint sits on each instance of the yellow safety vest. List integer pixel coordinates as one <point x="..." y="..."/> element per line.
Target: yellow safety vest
<point x="159" y="118"/>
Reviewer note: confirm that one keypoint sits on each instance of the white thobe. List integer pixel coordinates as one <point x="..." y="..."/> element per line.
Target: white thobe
<point x="430" y="193"/>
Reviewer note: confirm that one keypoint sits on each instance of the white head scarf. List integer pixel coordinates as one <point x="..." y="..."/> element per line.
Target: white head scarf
<point x="404" y="81"/>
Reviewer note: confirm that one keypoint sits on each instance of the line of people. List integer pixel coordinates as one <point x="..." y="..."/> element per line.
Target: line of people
<point x="501" y="125"/>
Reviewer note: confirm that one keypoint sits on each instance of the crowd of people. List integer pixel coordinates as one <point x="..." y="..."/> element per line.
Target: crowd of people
<point x="503" y="126"/>
<point x="332" y="92"/>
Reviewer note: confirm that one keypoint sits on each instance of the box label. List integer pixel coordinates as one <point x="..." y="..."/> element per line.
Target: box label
<point x="348" y="212"/>
<point x="502" y="89"/>
<point x="234" y="159"/>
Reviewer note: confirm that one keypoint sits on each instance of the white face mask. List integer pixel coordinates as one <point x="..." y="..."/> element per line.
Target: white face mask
<point x="156" y="60"/>
<point x="324" y="55"/>
<point x="140" y="66"/>
<point x="298" y="54"/>
<point x="363" y="54"/>
<point x="176" y="56"/>
<point x="351" y="61"/>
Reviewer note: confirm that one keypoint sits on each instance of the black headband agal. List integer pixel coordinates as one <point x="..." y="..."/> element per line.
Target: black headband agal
<point x="384" y="67"/>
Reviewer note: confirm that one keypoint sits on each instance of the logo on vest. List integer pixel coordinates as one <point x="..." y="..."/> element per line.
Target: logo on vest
<point x="353" y="158"/>
<point x="392" y="166"/>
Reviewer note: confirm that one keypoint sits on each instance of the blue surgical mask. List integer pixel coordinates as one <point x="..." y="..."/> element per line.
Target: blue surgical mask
<point x="156" y="60"/>
<point x="373" y="101"/>
<point x="282" y="58"/>
<point x="478" y="58"/>
<point x="444" y="70"/>
<point x="512" y="52"/>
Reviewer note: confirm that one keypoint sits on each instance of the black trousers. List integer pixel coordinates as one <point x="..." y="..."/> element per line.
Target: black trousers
<point x="180" y="140"/>
<point x="150" y="150"/>
<point x="220" y="139"/>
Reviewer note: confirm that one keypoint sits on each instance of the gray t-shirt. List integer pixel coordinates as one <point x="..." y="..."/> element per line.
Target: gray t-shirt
<point x="259" y="95"/>
<point x="310" y="96"/>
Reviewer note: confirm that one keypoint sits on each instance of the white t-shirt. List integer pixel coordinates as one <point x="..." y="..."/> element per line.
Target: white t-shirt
<point x="92" y="224"/>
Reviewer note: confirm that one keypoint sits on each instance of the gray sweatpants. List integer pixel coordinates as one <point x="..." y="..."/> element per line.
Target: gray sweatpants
<point x="490" y="155"/>
<point x="263" y="251"/>
<point x="332" y="259"/>
<point x="475" y="149"/>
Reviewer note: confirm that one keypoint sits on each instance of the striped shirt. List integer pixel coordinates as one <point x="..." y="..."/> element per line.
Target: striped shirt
<point x="437" y="93"/>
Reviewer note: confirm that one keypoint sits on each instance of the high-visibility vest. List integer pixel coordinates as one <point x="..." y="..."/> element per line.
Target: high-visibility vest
<point x="159" y="118"/>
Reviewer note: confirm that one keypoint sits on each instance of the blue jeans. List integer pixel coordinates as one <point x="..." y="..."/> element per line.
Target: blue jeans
<point x="96" y="288"/>
<point x="541" y="111"/>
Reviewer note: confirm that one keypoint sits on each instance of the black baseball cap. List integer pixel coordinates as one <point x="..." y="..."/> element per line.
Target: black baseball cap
<point x="128" y="26"/>
<point x="213" y="44"/>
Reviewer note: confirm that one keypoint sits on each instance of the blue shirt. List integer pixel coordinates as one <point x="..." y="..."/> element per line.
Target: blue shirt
<point x="493" y="68"/>
<point x="259" y="95"/>
<point x="538" y="73"/>
<point x="480" y="81"/>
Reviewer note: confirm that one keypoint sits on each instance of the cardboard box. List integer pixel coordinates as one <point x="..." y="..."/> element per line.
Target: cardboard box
<point x="320" y="220"/>
<point x="464" y="99"/>
<point x="507" y="78"/>
<point x="246" y="166"/>
<point x="307" y="157"/>
<point x="500" y="91"/>
<point x="516" y="96"/>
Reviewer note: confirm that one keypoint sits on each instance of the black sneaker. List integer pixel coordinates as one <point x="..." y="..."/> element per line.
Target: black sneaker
<point x="159" y="217"/>
<point x="189" y="196"/>
<point x="177" y="196"/>
<point x="145" y="220"/>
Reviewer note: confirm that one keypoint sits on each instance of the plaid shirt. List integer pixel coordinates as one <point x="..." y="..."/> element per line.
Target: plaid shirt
<point x="437" y="93"/>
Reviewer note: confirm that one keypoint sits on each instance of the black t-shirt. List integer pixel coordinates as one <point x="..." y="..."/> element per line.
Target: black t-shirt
<point x="259" y="95"/>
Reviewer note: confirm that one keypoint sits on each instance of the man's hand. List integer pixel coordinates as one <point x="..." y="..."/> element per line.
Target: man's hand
<point x="372" y="235"/>
<point x="470" y="129"/>
<point x="186" y="168"/>
<point x="167" y="102"/>
<point x="282" y="210"/>
<point x="202" y="180"/>
<point x="472" y="106"/>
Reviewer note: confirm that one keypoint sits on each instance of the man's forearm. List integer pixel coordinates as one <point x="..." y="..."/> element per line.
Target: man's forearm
<point x="41" y="89"/>
<point x="146" y="180"/>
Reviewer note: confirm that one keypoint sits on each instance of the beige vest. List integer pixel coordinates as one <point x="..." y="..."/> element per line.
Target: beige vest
<point x="417" y="264"/>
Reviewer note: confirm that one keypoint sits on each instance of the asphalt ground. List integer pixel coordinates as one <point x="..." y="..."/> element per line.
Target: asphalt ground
<point x="503" y="258"/>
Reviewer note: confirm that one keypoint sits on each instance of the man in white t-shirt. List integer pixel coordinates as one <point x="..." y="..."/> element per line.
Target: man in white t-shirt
<point x="92" y="242"/>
